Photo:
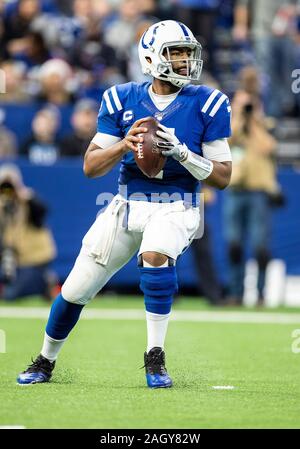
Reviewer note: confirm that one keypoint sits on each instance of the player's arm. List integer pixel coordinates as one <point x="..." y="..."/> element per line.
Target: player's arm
<point x="214" y="168"/>
<point x="218" y="152"/>
<point x="98" y="160"/>
<point x="214" y="165"/>
<point x="220" y="175"/>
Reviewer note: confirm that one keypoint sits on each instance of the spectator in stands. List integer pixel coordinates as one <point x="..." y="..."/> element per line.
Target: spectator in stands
<point x="14" y="75"/>
<point x="113" y="75"/>
<point x="27" y="246"/>
<point x="56" y="79"/>
<point x="102" y="9"/>
<point x="95" y="61"/>
<point x="64" y="6"/>
<point x="83" y="10"/>
<point x="36" y="52"/>
<point x="121" y="32"/>
<point x="154" y="10"/>
<point x="42" y="148"/>
<point x="8" y="141"/>
<point x="201" y="17"/>
<point x="272" y="25"/>
<point x="2" y="30"/>
<point x="133" y="62"/>
<point x="83" y="120"/>
<point x="17" y="25"/>
<point x="62" y="32"/>
<point x="90" y="52"/>
<point x="249" y="84"/>
<point x="247" y="205"/>
<point x="208" y="284"/>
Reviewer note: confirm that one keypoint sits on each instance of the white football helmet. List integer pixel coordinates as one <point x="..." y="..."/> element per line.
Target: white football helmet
<point x="163" y="36"/>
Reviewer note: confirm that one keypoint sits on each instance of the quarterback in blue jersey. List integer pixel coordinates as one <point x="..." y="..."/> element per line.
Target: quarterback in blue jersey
<point x="157" y="218"/>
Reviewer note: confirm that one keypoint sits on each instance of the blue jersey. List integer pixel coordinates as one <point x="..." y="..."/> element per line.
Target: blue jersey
<point x="198" y="114"/>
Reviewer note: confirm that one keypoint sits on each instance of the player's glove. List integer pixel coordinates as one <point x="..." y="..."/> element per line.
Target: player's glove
<point x="197" y="165"/>
<point x="170" y="145"/>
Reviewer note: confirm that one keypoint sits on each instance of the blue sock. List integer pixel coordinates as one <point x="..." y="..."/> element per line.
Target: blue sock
<point x="63" y="317"/>
<point x="158" y="285"/>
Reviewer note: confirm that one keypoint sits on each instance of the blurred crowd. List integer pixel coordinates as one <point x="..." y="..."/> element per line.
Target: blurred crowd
<point x="56" y="53"/>
<point x="26" y="244"/>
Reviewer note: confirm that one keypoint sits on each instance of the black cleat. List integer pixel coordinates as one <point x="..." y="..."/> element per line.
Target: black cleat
<point x="39" y="371"/>
<point x="156" y="372"/>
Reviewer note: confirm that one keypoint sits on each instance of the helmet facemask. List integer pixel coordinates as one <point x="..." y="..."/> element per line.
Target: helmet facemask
<point x="193" y="63"/>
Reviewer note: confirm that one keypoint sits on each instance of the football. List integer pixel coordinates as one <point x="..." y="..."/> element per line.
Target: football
<point x="148" y="156"/>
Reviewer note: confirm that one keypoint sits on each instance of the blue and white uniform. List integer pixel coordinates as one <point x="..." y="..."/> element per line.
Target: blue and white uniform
<point x="157" y="215"/>
<point x="199" y="116"/>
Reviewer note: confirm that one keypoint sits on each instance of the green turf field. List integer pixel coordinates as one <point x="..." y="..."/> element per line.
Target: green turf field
<point x="98" y="382"/>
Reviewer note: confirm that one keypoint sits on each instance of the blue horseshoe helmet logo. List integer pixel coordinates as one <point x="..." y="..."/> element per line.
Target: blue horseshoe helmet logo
<point x="144" y="45"/>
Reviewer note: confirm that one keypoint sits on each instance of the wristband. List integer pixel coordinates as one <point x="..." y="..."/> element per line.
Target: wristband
<point x="197" y="165"/>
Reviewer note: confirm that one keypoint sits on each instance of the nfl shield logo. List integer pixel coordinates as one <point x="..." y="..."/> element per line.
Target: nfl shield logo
<point x="159" y="116"/>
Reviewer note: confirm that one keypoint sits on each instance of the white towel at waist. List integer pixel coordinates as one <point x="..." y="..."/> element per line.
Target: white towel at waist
<point x="101" y="236"/>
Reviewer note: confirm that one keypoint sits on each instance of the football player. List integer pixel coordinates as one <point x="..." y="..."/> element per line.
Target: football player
<point x="194" y="126"/>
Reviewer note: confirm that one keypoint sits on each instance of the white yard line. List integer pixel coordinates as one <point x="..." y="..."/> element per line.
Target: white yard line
<point x="223" y="387"/>
<point x="179" y="315"/>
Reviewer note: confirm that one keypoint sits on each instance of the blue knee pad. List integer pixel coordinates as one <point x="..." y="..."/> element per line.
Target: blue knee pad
<point x="63" y="317"/>
<point x="158" y="286"/>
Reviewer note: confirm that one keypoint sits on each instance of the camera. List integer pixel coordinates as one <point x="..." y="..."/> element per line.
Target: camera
<point x="7" y="188"/>
<point x="247" y="112"/>
<point x="8" y="198"/>
<point x="248" y="109"/>
<point x="8" y="265"/>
